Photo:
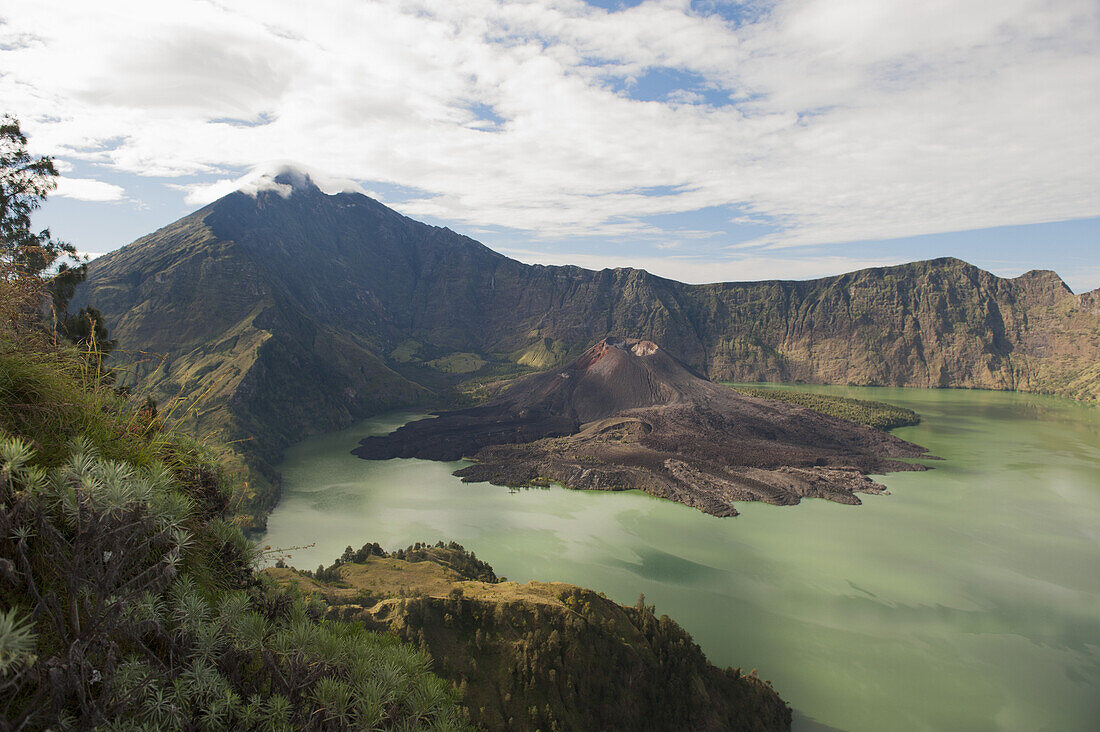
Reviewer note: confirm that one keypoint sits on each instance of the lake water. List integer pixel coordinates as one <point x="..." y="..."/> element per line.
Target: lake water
<point x="967" y="599"/>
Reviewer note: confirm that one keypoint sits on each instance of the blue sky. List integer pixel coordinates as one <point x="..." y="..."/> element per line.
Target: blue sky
<point x="701" y="141"/>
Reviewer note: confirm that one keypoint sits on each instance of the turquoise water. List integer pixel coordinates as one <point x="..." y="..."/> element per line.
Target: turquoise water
<point x="967" y="599"/>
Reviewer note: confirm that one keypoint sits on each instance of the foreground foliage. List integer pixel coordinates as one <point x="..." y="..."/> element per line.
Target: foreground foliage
<point x="127" y="601"/>
<point x="880" y="415"/>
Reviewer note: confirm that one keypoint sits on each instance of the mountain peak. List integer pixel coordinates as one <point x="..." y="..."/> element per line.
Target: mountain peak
<point x="611" y="344"/>
<point x="284" y="177"/>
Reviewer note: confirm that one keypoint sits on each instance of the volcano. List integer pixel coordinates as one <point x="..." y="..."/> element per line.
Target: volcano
<point x="289" y="308"/>
<point x="628" y="415"/>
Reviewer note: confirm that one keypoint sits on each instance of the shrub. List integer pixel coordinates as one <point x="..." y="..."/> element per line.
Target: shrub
<point x="129" y="602"/>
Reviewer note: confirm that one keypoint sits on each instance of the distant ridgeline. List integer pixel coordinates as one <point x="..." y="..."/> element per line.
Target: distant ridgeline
<point x="291" y="312"/>
<point x="540" y="656"/>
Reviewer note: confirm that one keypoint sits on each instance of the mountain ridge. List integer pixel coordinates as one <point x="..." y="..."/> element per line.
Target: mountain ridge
<point x="276" y="316"/>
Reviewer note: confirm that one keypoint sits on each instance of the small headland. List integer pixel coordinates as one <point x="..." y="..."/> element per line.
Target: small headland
<point x="540" y="655"/>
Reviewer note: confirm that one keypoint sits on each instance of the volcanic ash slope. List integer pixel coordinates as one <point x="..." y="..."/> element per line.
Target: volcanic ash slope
<point x="627" y="415"/>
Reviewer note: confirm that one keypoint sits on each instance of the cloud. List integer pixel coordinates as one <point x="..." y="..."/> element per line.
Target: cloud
<point x="848" y="121"/>
<point x="264" y="177"/>
<point x="89" y="189"/>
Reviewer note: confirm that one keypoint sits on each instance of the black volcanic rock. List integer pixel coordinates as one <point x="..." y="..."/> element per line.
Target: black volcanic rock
<point x="627" y="415"/>
<point x="612" y="376"/>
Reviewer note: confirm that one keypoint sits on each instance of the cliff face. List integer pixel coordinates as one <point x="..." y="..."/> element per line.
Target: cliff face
<point x="544" y="655"/>
<point x="280" y="316"/>
<point x="941" y="323"/>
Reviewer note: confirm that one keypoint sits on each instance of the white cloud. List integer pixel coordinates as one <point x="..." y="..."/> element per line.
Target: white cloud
<point x="858" y="119"/>
<point x="88" y="189"/>
<point x="265" y="177"/>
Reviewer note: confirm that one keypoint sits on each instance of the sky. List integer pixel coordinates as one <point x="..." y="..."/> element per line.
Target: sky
<point x="703" y="141"/>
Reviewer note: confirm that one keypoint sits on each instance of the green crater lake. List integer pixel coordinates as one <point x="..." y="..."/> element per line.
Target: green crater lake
<point x="967" y="599"/>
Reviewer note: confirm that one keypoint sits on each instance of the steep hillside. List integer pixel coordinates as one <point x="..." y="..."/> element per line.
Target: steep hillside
<point x="127" y="601"/>
<point x="307" y="311"/>
<point x="541" y="655"/>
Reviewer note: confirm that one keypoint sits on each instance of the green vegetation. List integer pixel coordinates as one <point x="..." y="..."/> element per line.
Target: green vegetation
<point x="458" y="363"/>
<point x="406" y="351"/>
<point x="450" y="555"/>
<point x="544" y="353"/>
<point x="25" y="182"/>
<point x="146" y="614"/>
<point x="540" y="656"/>
<point x="132" y="602"/>
<point x="880" y="415"/>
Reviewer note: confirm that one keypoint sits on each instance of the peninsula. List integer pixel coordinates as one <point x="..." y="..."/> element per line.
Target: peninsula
<point x="628" y="415"/>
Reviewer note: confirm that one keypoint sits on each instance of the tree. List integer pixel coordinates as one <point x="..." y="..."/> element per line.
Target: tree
<point x="35" y="266"/>
<point x="24" y="184"/>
